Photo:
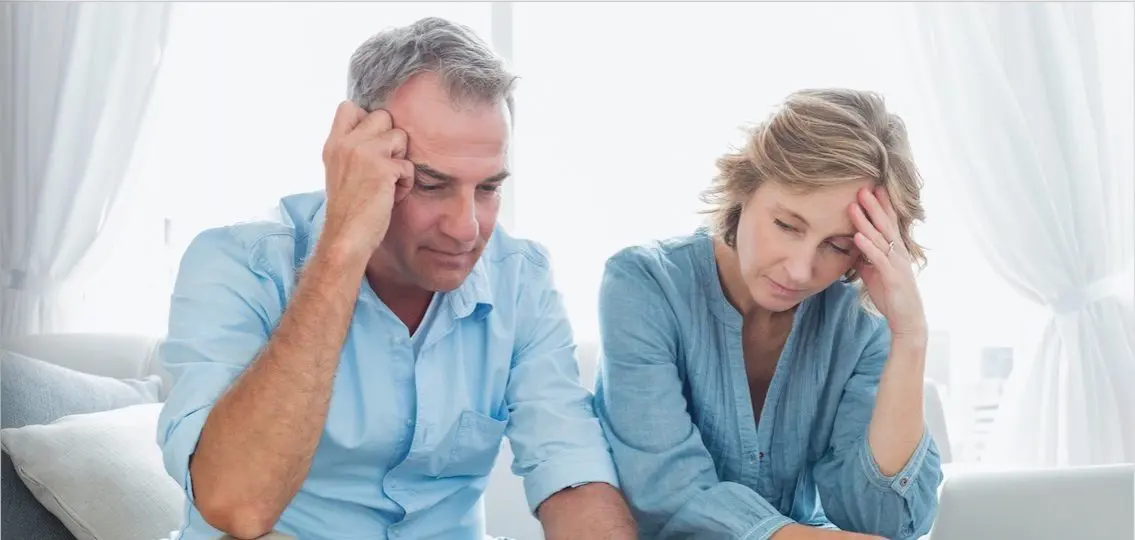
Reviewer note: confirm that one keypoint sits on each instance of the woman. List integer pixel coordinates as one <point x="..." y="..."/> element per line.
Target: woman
<point x="762" y="378"/>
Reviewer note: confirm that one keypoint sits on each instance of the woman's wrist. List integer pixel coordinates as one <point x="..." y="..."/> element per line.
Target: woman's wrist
<point x="910" y="340"/>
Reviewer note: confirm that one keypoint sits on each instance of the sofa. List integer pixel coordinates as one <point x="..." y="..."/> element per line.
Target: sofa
<point x="80" y="458"/>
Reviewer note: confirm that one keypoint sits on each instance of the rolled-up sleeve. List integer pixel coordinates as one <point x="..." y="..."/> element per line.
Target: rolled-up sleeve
<point x="667" y="474"/>
<point x="217" y="324"/>
<point x="552" y="429"/>
<point x="855" y="494"/>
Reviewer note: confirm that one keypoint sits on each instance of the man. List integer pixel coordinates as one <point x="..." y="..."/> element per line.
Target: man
<point x="349" y="372"/>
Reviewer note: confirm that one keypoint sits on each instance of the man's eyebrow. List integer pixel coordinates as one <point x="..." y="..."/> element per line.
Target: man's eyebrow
<point x="429" y="171"/>
<point x="422" y="168"/>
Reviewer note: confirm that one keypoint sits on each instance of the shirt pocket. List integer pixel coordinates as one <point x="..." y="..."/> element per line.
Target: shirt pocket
<point x="471" y="449"/>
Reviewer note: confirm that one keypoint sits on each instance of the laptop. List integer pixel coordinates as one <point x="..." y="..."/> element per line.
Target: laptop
<point x="1080" y="503"/>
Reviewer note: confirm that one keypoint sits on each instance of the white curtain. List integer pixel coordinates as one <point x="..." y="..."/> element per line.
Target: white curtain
<point x="1033" y="105"/>
<point x="75" y="79"/>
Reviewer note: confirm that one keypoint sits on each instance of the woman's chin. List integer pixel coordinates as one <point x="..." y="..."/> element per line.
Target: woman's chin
<point x="775" y="303"/>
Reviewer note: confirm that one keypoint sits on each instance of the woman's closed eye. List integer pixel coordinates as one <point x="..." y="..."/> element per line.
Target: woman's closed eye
<point x="841" y="250"/>
<point x="785" y="226"/>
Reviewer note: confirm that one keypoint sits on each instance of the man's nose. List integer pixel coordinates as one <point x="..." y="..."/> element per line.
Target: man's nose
<point x="460" y="221"/>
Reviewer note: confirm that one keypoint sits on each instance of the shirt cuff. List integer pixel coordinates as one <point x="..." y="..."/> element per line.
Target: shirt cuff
<point x="564" y="472"/>
<point x="180" y="445"/>
<point x="766" y="527"/>
<point x="902" y="481"/>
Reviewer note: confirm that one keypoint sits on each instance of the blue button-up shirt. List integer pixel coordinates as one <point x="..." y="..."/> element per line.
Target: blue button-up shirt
<point x="674" y="398"/>
<point x="415" y="422"/>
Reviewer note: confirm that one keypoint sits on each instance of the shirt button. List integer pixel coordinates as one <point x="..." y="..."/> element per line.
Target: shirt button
<point x="753" y="457"/>
<point x="902" y="482"/>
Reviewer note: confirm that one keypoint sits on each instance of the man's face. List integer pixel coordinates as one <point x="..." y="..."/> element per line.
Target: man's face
<point x="437" y="233"/>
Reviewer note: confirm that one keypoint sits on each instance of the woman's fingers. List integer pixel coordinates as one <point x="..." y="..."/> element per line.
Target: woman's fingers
<point x="885" y="201"/>
<point x="882" y="221"/>
<point x="866" y="228"/>
<point x="875" y="256"/>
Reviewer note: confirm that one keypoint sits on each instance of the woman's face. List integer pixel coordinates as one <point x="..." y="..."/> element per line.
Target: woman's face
<point x="792" y="245"/>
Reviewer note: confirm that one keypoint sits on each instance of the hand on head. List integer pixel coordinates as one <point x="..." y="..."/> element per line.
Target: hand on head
<point x="366" y="174"/>
<point x="886" y="267"/>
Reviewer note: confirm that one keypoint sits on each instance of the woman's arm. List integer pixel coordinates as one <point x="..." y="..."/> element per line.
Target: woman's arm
<point x="881" y="471"/>
<point x="897" y="423"/>
<point x="880" y="475"/>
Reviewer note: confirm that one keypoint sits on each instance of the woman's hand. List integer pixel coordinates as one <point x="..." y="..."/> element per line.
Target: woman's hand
<point x="886" y="267"/>
<point x="803" y="532"/>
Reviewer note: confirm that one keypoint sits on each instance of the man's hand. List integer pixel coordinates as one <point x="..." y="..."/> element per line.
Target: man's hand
<point x="366" y="174"/>
<point x="593" y="511"/>
<point x="804" y="532"/>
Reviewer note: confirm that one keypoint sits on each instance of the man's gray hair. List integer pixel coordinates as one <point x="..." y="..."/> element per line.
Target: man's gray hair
<point x="469" y="69"/>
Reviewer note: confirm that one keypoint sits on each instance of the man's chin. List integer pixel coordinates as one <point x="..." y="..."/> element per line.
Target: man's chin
<point x="444" y="281"/>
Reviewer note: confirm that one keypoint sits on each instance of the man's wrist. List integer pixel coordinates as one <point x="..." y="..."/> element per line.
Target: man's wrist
<point x="341" y="257"/>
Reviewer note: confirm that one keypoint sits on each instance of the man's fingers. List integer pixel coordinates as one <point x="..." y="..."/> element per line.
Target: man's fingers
<point x="405" y="180"/>
<point x="391" y="143"/>
<point x="390" y="146"/>
<point x="347" y="116"/>
<point x="374" y="124"/>
<point x="375" y="130"/>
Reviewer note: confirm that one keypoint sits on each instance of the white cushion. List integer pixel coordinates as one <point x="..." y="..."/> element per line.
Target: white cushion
<point x="101" y="474"/>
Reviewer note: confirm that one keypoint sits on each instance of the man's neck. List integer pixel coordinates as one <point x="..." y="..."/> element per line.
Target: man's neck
<point x="408" y="301"/>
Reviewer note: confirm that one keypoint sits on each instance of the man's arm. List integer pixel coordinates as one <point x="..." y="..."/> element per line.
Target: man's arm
<point x="250" y="451"/>
<point x="257" y="444"/>
<point x="594" y="510"/>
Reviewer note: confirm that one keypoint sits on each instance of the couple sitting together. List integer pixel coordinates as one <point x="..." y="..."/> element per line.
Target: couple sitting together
<point x="349" y="371"/>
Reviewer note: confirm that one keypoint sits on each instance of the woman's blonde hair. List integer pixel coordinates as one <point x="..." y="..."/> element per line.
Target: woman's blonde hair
<point x="820" y="138"/>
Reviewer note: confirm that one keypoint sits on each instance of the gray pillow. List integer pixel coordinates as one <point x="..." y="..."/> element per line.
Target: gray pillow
<point x="36" y="392"/>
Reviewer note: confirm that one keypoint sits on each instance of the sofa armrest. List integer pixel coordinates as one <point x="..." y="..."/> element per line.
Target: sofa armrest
<point x="121" y="356"/>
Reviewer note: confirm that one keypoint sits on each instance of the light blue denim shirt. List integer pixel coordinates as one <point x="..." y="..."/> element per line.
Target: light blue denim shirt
<point x="415" y="422"/>
<point x="673" y="397"/>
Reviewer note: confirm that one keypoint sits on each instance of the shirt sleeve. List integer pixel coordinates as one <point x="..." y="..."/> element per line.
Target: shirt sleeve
<point x="555" y="438"/>
<point x="855" y="494"/>
<point x="667" y="474"/>
<point x="217" y="325"/>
